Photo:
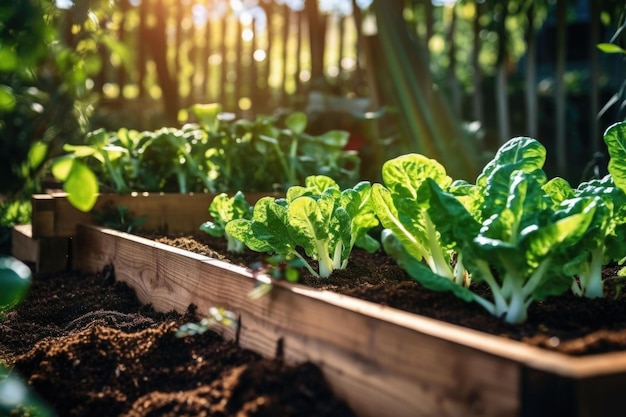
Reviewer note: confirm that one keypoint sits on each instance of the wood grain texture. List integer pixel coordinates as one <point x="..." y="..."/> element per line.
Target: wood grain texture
<point x="382" y="361"/>
<point x="46" y="255"/>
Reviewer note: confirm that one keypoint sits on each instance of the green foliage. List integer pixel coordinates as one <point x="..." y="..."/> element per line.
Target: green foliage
<point x="223" y="210"/>
<point x="615" y="140"/>
<point x="513" y="230"/>
<point x="12" y="212"/>
<point x="317" y="218"/>
<point x="219" y="154"/>
<point x="399" y="210"/>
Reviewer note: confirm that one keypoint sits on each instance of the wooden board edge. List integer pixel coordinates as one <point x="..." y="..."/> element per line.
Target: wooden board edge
<point x="23" y="246"/>
<point x="55" y="216"/>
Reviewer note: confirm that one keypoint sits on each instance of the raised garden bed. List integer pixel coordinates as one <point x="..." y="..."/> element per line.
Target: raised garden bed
<point x="381" y="360"/>
<point x="92" y="349"/>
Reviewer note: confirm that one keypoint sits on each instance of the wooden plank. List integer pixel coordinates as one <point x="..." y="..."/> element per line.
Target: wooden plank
<point x="23" y="246"/>
<point x="54" y="216"/>
<point x="42" y="217"/>
<point x="46" y="255"/>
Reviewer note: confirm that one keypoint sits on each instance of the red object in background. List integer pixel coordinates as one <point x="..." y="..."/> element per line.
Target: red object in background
<point x="355" y="142"/>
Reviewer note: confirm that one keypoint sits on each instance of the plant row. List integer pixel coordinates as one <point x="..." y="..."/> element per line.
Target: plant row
<point x="216" y="153"/>
<point x="524" y="235"/>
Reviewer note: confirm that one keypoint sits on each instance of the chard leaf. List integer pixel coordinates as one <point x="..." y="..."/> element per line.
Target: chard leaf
<point x="405" y="174"/>
<point x="442" y="207"/>
<point x="241" y="229"/>
<point x="408" y="229"/>
<point x="558" y="189"/>
<point x="615" y="139"/>
<point x="522" y="153"/>
<point x="512" y="201"/>
<point x="309" y="221"/>
<point x="358" y="204"/>
<point x="320" y="183"/>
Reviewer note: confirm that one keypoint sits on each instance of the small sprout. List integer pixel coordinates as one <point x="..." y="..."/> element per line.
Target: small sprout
<point x="278" y="267"/>
<point x="216" y="315"/>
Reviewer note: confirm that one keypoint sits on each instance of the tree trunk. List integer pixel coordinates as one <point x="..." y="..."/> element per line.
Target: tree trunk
<point x="317" y="39"/>
<point x="158" y="46"/>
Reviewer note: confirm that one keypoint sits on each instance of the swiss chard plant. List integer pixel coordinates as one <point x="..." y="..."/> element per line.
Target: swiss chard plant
<point x="318" y="219"/>
<point x="509" y="231"/>
<point x="401" y="211"/>
<point x="224" y="209"/>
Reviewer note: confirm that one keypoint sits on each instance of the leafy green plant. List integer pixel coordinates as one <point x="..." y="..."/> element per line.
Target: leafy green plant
<point x="318" y="218"/>
<point x="264" y="154"/>
<point x="602" y="242"/>
<point x="510" y="233"/>
<point x="224" y="209"/>
<point x="399" y="210"/>
<point x="217" y="154"/>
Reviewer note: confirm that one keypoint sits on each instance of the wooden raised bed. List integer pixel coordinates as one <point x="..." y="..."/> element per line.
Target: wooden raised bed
<point x="382" y="361"/>
<point x="53" y="222"/>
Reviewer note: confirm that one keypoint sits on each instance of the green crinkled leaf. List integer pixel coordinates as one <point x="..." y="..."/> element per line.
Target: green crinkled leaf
<point x="309" y="219"/>
<point x="558" y="189"/>
<point x="443" y="207"/>
<point x="404" y="175"/>
<point x="615" y="139"/>
<point x="241" y="229"/>
<point x="522" y="153"/>
<point x="404" y="227"/>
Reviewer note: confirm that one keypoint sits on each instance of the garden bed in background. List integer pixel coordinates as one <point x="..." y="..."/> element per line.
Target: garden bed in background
<point x="88" y="347"/>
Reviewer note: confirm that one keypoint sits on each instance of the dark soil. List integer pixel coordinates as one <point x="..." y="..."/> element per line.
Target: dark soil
<point x="572" y="325"/>
<point x="88" y="347"/>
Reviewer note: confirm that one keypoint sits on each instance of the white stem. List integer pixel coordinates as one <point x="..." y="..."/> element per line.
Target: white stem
<point x="442" y="266"/>
<point x="594" y="287"/>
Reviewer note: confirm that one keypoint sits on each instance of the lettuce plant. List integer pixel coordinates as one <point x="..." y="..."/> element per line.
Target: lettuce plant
<point x="224" y="209"/>
<point x="319" y="219"/>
